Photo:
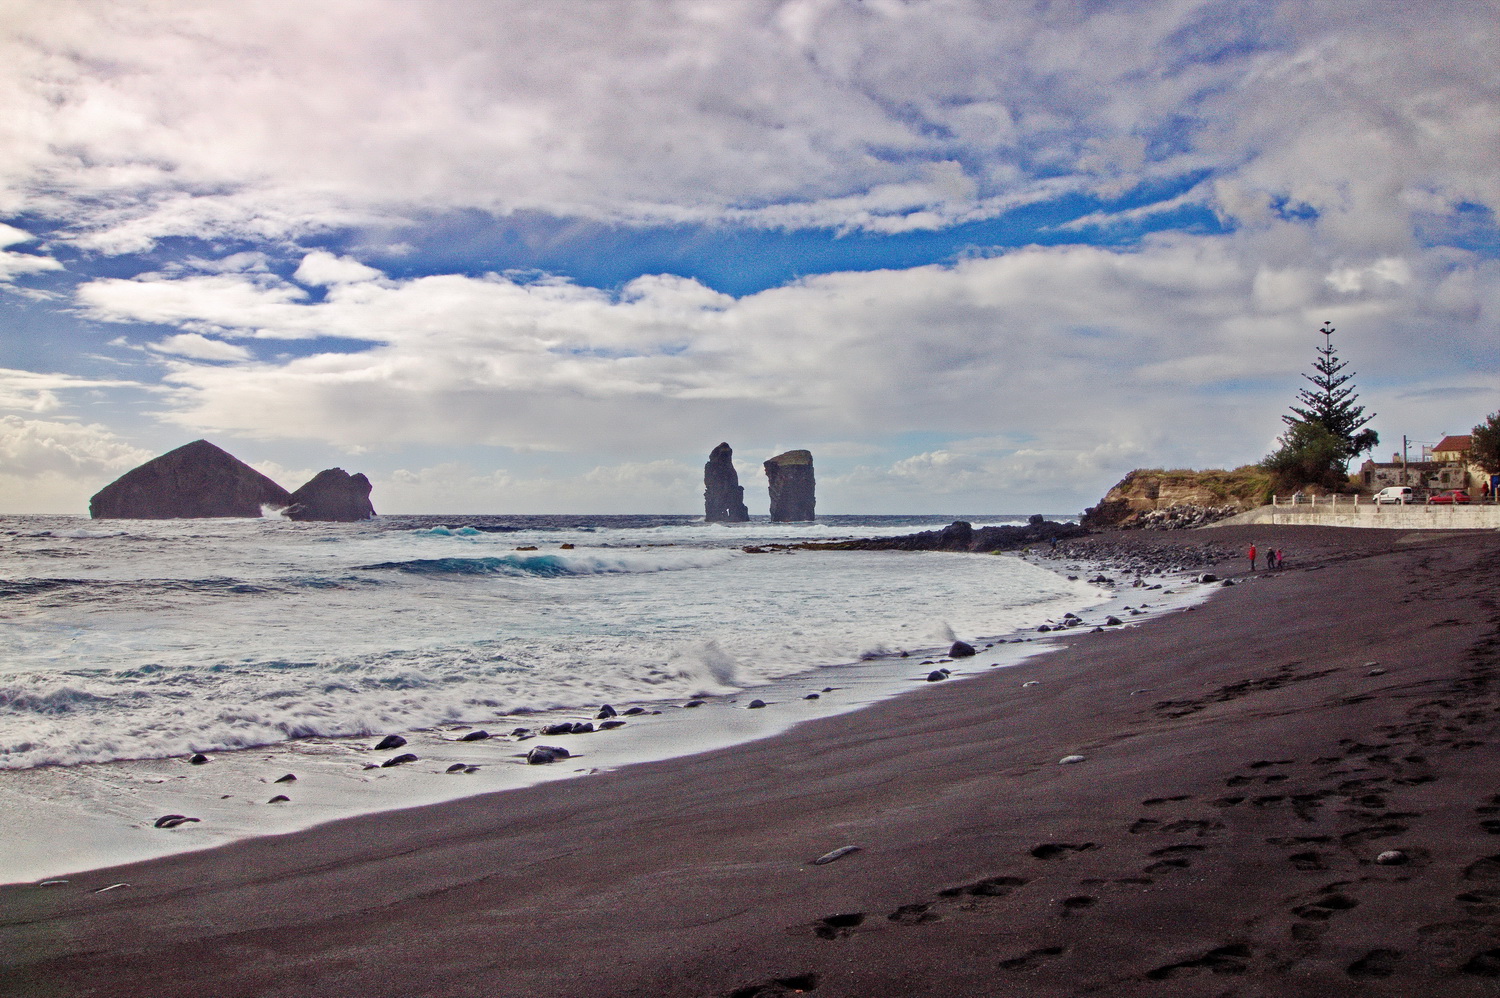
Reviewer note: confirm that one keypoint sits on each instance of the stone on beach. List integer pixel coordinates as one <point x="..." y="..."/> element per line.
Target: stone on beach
<point x="198" y="759"/>
<point x="475" y="736"/>
<point x="288" y="778"/>
<point x="399" y="760"/>
<point x="390" y="742"/>
<point x="961" y="649"/>
<point x="540" y="755"/>
<point x="936" y="675"/>
<point x="755" y="704"/>
<point x="279" y="799"/>
<point x="605" y="713"/>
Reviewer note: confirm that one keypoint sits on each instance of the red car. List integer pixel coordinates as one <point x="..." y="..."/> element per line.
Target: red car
<point x="1451" y="496"/>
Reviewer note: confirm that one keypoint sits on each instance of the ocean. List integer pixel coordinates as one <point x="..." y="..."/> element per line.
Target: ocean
<point x="128" y="646"/>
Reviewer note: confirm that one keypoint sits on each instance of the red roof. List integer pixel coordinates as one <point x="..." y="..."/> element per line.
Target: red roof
<point x="1464" y="442"/>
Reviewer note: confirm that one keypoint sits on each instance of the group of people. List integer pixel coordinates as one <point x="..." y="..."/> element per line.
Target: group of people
<point x="1274" y="557"/>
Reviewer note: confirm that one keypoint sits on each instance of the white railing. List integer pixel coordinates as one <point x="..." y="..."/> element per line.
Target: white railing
<point x="1300" y="499"/>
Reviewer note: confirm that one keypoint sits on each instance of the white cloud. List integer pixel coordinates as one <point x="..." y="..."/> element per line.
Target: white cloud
<point x="134" y="123"/>
<point x="52" y="467"/>
<point x="13" y="264"/>
<point x="28" y="391"/>
<point x="321" y="267"/>
<point x="195" y="346"/>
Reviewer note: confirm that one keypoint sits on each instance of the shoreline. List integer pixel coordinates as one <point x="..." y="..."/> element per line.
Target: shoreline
<point x="100" y="815"/>
<point x="1243" y="766"/>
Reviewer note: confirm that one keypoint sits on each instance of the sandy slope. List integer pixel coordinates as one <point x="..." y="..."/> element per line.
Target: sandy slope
<point x="1243" y="768"/>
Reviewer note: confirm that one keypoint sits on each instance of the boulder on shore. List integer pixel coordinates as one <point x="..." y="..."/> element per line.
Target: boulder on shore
<point x="335" y="495"/>
<point x="723" y="495"/>
<point x="195" y="480"/>
<point x="792" y="486"/>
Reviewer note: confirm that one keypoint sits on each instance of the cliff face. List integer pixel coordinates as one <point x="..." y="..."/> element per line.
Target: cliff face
<point x="723" y="495"/>
<point x="1151" y="497"/>
<point x="332" y="495"/>
<point x="195" y="480"/>
<point x="792" y="486"/>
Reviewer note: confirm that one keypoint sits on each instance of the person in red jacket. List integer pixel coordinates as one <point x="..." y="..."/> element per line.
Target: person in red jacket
<point x="1252" y="557"/>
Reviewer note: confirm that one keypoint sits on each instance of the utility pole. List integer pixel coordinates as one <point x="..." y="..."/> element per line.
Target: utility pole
<point x="1404" y="479"/>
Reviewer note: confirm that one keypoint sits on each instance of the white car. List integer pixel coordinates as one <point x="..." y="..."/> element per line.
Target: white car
<point x="1401" y="494"/>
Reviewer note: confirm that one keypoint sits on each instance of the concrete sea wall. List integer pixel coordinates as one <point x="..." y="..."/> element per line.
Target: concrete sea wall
<point x="1366" y="514"/>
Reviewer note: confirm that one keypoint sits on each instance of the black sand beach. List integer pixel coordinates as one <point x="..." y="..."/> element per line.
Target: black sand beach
<point x="1244" y="765"/>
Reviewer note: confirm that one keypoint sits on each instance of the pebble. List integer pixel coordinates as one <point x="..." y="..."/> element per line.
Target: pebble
<point x="1392" y="857"/>
<point x="961" y="649"/>
<point x="288" y="778"/>
<point x="755" y="704"/>
<point x="173" y="820"/>
<point x="812" y="696"/>
<point x="475" y="736"/>
<point x="936" y="675"/>
<point x="1068" y="760"/>
<point x="399" y="760"/>
<point x="540" y="755"/>
<point x="693" y="703"/>
<point x="839" y="853"/>
<point x="390" y="742"/>
<point x="605" y="713"/>
<point x="610" y="725"/>
<point x="280" y="799"/>
<point x="198" y="759"/>
<point x="457" y="767"/>
<point x="634" y="711"/>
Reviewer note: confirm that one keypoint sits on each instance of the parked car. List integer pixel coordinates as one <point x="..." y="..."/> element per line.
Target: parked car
<point x="1401" y="494"/>
<point x="1451" y="496"/>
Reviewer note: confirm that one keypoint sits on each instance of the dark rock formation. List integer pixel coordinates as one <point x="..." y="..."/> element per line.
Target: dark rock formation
<point x="390" y="742"/>
<point x="1154" y="499"/>
<point x="195" y="480"/>
<point x="961" y="649"/>
<point x="723" y="495"/>
<point x="333" y="494"/>
<point x="961" y="536"/>
<point x="792" y="486"/>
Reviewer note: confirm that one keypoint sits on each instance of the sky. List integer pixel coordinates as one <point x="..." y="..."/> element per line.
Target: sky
<point x="542" y="256"/>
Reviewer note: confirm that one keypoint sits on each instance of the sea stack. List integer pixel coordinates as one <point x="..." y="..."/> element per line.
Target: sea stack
<point x="195" y="480"/>
<point x="791" y="481"/>
<point x="333" y="494"/>
<point x="723" y="495"/>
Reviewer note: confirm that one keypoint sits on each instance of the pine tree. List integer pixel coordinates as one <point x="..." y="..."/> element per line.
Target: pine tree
<point x="1333" y="404"/>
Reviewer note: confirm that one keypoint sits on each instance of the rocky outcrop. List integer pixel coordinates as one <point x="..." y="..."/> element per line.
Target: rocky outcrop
<point x="195" y="480"/>
<point x="792" y="486"/>
<point x="723" y="495"/>
<point x="333" y="494"/>
<point x="962" y="536"/>
<point x="1156" y="499"/>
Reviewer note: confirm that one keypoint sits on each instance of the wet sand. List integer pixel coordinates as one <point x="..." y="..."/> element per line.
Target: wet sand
<point x="1244" y="764"/>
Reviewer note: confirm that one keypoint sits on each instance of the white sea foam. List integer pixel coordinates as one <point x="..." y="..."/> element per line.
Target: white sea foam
<point x="181" y="636"/>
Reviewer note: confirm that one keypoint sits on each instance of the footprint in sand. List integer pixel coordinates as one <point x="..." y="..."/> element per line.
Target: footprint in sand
<point x="1231" y="959"/>
<point x="1032" y="958"/>
<point x="778" y="986"/>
